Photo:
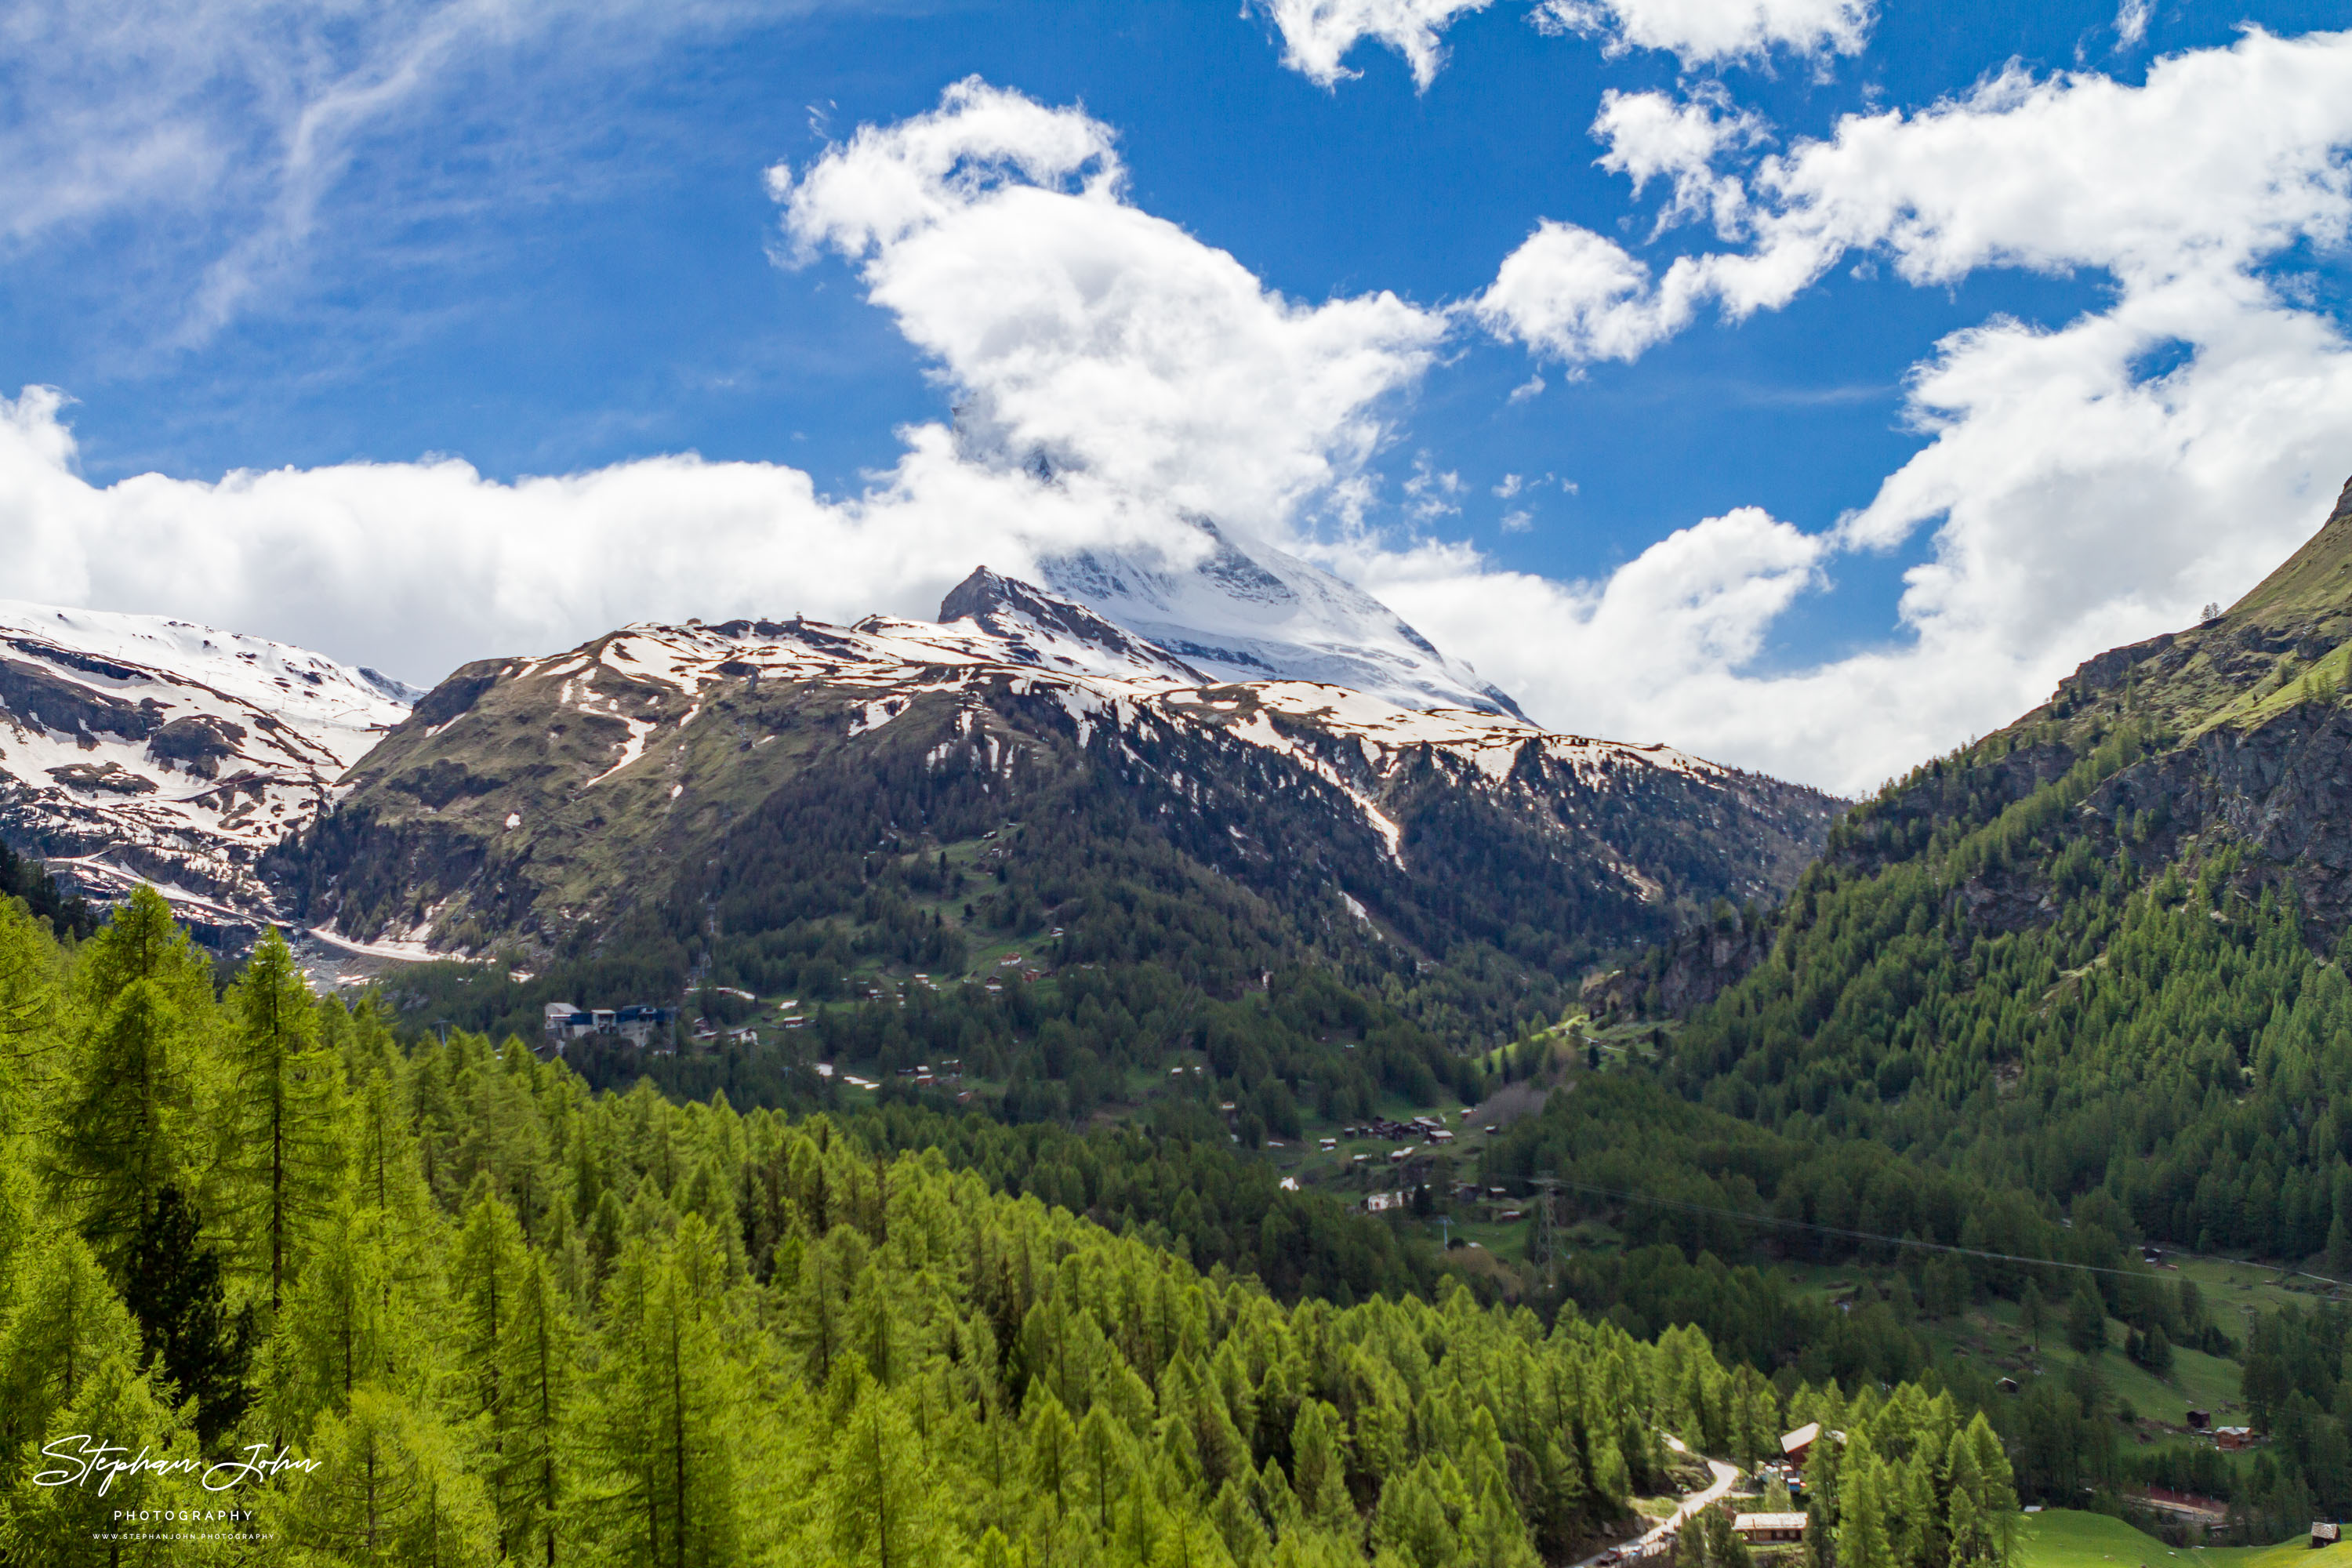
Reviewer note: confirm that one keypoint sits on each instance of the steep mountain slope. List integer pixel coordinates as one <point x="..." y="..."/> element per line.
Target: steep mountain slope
<point x="758" y="773"/>
<point x="2102" y="948"/>
<point x="134" y="747"/>
<point x="2230" y="735"/>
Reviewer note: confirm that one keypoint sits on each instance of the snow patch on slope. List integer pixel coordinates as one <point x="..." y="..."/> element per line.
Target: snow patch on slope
<point x="1106" y="679"/>
<point x="141" y="747"/>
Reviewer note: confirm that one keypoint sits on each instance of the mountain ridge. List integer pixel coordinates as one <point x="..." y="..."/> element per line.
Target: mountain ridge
<point x="650" y="729"/>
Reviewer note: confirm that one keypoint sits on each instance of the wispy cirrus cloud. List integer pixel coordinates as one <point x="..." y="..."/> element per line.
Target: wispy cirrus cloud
<point x="214" y="130"/>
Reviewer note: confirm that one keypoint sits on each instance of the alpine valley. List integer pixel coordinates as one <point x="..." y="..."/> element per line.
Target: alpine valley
<point x="1991" y="1123"/>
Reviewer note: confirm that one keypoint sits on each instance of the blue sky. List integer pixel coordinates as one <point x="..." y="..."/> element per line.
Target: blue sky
<point x="546" y="240"/>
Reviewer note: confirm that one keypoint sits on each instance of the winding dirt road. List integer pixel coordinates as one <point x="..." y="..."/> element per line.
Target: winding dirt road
<point x="1724" y="1476"/>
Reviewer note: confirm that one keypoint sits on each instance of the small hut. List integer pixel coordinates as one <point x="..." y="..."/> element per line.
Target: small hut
<point x="2326" y="1532"/>
<point x="1771" y="1529"/>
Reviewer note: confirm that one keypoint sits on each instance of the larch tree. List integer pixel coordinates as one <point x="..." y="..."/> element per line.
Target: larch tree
<point x="879" y="1505"/>
<point x="388" y="1487"/>
<point x="59" y="1323"/>
<point x="283" y="1101"/>
<point x="30" y="1038"/>
<point x="661" y="1411"/>
<point x="537" y="1346"/>
<point x="486" y="1280"/>
<point x="122" y="1134"/>
<point x="60" y="1521"/>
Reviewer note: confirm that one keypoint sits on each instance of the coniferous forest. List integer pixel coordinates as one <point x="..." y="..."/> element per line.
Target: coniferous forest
<point x="436" y="1302"/>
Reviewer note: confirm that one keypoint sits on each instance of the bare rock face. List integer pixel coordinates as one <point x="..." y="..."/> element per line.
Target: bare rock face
<point x="197" y="743"/>
<point x="1687" y="971"/>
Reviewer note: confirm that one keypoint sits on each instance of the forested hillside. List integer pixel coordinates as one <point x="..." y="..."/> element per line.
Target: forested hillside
<point x="486" y="1315"/>
<point x="2074" y="989"/>
<point x="2101" y="949"/>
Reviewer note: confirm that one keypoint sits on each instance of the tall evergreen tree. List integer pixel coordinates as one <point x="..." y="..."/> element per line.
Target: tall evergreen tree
<point x="63" y="1320"/>
<point x="280" y="1131"/>
<point x="1864" y="1509"/>
<point x="662" y="1412"/>
<point x="539" y="1342"/>
<point x="388" y="1487"/>
<point x="2086" y="1321"/>
<point x="121" y="1138"/>
<point x="30" y="1035"/>
<point x="173" y="1283"/>
<point x="100" y="1519"/>
<point x="140" y="942"/>
<point x="487" y="1281"/>
<point x="879" y="1500"/>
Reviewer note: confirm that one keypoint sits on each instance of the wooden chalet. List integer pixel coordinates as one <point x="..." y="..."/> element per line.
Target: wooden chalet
<point x="1770" y="1528"/>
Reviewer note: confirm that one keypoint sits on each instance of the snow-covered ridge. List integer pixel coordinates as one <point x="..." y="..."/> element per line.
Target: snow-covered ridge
<point x="141" y="747"/>
<point x="1246" y="611"/>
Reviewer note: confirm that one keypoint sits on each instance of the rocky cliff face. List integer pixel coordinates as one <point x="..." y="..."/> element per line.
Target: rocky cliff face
<point x="529" y="801"/>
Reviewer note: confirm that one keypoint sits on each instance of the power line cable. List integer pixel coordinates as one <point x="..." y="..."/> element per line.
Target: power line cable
<point x="1775" y="1221"/>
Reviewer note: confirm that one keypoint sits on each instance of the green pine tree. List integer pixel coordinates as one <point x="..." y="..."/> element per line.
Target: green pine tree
<point x="662" y="1417"/>
<point x="390" y="1488"/>
<point x="538" y="1340"/>
<point x="1863" y="1505"/>
<point x="880" y="1502"/>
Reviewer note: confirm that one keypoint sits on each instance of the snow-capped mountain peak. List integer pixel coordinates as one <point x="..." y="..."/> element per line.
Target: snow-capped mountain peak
<point x="1057" y="633"/>
<point x="1246" y="611"/>
<point x="527" y="796"/>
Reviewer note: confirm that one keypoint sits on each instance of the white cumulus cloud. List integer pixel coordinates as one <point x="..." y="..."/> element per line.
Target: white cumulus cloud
<point x="1317" y="34"/>
<point x="1699" y="32"/>
<point x="1655" y="135"/>
<point x="1075" y="327"/>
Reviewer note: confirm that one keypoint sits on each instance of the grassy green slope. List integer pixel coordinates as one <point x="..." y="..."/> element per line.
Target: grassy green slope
<point x="2067" y="1538"/>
